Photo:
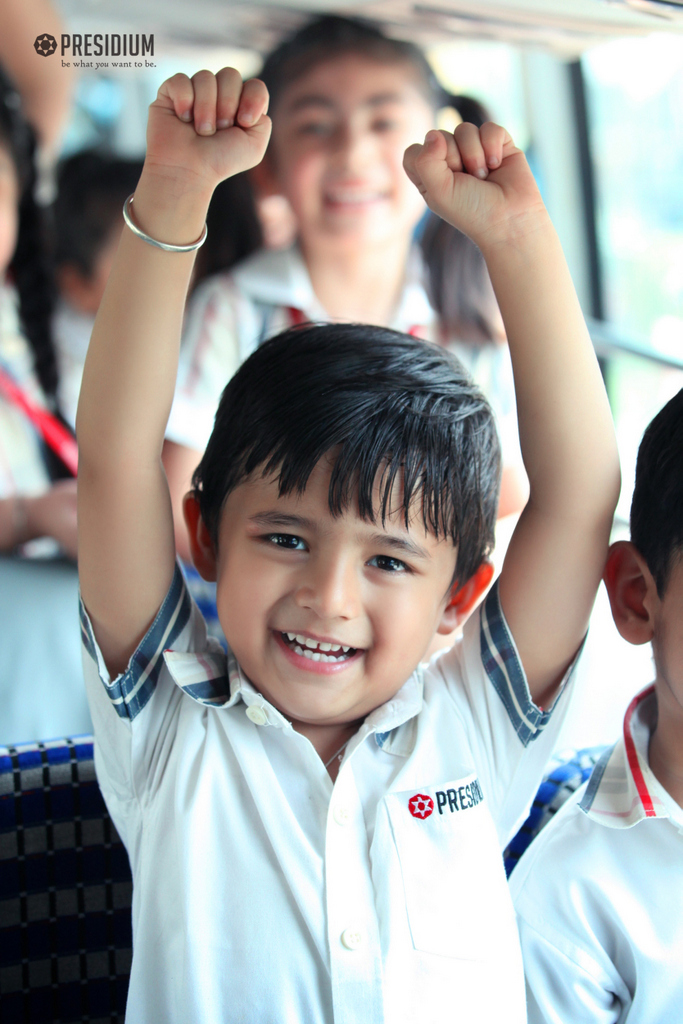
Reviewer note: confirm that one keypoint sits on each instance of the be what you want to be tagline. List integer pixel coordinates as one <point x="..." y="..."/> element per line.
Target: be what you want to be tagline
<point x="99" y="49"/>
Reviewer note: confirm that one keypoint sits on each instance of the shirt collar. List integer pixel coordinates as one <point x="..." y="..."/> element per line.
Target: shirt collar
<point x="622" y="790"/>
<point x="215" y="679"/>
<point x="279" y="277"/>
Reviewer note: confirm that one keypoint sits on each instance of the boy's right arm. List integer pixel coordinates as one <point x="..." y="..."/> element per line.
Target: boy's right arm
<point x="126" y="546"/>
<point x="480" y="182"/>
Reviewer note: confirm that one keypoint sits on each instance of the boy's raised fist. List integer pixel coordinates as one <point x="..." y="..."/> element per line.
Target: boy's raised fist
<point x="208" y="127"/>
<point x="476" y="179"/>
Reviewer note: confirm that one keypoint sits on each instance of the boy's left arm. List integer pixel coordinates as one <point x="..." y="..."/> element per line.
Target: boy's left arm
<point x="481" y="183"/>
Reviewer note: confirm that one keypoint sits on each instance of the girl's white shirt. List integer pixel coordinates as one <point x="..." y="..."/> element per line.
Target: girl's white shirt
<point x="231" y="314"/>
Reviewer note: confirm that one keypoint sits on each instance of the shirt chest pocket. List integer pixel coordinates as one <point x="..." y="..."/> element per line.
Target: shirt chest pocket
<point x="456" y="893"/>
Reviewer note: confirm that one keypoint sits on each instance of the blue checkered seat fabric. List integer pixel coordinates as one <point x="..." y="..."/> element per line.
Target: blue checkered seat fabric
<point x="565" y="776"/>
<point x="65" y="890"/>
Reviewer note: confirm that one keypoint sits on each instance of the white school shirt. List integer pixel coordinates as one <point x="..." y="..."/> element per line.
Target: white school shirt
<point x="231" y="314"/>
<point x="263" y="891"/>
<point x="599" y="895"/>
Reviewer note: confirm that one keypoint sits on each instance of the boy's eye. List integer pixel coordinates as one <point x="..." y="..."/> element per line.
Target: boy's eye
<point x="286" y="540"/>
<point x="388" y="564"/>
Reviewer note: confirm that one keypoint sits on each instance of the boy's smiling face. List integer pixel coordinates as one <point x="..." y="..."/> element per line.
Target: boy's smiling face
<point x="293" y="577"/>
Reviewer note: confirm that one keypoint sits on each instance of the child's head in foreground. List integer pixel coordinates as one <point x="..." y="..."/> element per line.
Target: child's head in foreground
<point x="644" y="576"/>
<point x="345" y="504"/>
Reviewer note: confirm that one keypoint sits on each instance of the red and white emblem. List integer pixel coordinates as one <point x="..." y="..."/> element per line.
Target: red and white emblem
<point x="421" y="805"/>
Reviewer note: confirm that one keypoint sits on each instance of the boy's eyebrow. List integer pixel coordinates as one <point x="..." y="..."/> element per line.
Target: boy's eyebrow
<point x="283" y="520"/>
<point x="315" y="100"/>
<point x="401" y="544"/>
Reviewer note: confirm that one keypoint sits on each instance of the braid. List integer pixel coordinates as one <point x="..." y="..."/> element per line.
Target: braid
<point x="34" y="285"/>
<point x="29" y="267"/>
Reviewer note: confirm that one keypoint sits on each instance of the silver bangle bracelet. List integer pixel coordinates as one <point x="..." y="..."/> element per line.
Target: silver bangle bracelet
<point x="127" y="208"/>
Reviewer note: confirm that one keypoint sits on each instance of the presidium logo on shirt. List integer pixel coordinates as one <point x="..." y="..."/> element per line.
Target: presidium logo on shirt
<point x="447" y="800"/>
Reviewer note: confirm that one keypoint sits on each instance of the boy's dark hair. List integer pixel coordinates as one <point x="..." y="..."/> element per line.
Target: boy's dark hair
<point x="330" y="36"/>
<point x="91" y="189"/>
<point x="388" y="407"/>
<point x="657" y="505"/>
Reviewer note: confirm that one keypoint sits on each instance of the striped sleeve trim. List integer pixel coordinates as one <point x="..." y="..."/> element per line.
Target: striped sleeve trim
<point x="504" y="669"/>
<point x="130" y="691"/>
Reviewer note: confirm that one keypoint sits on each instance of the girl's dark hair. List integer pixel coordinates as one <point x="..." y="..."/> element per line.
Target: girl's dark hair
<point x="458" y="282"/>
<point x="657" y="504"/>
<point x="459" y="285"/>
<point x="29" y="267"/>
<point x="389" y="409"/>
<point x="234" y="229"/>
<point x="329" y="36"/>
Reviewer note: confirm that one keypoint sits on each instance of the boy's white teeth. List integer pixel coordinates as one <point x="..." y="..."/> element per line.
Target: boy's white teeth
<point x="315" y="650"/>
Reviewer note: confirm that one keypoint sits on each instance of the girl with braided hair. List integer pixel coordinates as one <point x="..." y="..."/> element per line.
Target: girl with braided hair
<point x="37" y="489"/>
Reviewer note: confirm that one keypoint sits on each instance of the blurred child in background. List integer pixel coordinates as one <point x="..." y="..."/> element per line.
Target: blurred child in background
<point x="37" y="489"/>
<point x="41" y="688"/>
<point x="91" y="189"/>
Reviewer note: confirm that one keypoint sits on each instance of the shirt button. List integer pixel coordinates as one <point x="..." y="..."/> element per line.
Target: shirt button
<point x="256" y="715"/>
<point x="341" y="814"/>
<point x="351" y="938"/>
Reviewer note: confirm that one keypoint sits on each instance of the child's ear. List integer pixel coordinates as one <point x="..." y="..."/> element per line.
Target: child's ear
<point x="631" y="589"/>
<point x="462" y="599"/>
<point x="201" y="544"/>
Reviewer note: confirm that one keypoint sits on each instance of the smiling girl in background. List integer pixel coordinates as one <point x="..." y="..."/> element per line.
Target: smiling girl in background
<point x="346" y="102"/>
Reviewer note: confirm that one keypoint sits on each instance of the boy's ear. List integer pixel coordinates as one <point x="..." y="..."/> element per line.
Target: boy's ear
<point x="463" y="598"/>
<point x="201" y="544"/>
<point x="631" y="589"/>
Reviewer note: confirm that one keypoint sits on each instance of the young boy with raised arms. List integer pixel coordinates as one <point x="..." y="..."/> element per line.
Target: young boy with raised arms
<point x="599" y="894"/>
<point x="315" y="822"/>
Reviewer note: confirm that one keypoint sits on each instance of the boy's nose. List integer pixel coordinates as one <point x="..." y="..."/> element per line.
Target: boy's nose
<point x="331" y="589"/>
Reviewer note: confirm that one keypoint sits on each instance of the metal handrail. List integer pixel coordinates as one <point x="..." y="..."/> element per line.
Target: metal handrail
<point x="607" y="340"/>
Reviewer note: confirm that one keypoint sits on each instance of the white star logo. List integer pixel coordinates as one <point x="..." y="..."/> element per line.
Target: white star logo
<point x="420" y="806"/>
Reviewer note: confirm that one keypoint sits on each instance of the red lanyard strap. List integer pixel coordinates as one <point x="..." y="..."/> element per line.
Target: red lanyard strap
<point x="297" y="316"/>
<point x="54" y="433"/>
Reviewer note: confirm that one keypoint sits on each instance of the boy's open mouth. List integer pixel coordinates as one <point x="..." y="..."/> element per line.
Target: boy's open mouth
<point x="317" y="650"/>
